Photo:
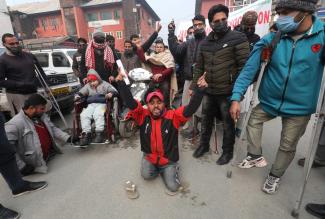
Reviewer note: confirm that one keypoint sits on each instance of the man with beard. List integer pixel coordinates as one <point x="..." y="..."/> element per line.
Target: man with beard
<point x="159" y="131"/>
<point x="82" y="45"/>
<point x="17" y="73"/>
<point x="247" y="26"/>
<point x="33" y="134"/>
<point x="187" y="52"/>
<point x="222" y="55"/>
<point x="111" y="43"/>
<point x="98" y="56"/>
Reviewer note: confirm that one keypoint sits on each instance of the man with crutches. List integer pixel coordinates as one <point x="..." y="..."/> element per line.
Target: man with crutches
<point x="289" y="87"/>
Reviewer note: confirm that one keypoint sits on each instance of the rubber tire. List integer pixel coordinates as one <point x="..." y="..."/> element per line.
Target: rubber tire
<point x="123" y="129"/>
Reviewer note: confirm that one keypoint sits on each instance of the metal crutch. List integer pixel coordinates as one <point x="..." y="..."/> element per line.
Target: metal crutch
<point x="314" y="139"/>
<point x="50" y="95"/>
<point x="238" y="149"/>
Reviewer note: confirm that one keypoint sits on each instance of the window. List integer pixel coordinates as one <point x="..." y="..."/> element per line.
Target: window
<point x="71" y="53"/>
<point x="106" y="15"/>
<point x="35" y="22"/>
<point x="92" y="17"/>
<point x="109" y="33"/>
<point x="44" y="23"/>
<point x="119" y="35"/>
<point x="60" y="60"/>
<point x="43" y="59"/>
<point x="54" y="21"/>
<point x="116" y="14"/>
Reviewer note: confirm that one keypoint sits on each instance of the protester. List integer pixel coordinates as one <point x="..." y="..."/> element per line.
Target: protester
<point x="162" y="66"/>
<point x="99" y="56"/>
<point x="247" y="26"/>
<point x="97" y="93"/>
<point x="159" y="131"/>
<point x="189" y="34"/>
<point x="111" y="43"/>
<point x="222" y="54"/>
<point x="76" y="59"/>
<point x="292" y="77"/>
<point x="17" y="73"/>
<point x="32" y="133"/>
<point x="186" y="52"/>
<point x="11" y="174"/>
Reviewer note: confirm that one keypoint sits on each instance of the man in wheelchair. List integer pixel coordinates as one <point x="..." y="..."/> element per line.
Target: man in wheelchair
<point x="97" y="92"/>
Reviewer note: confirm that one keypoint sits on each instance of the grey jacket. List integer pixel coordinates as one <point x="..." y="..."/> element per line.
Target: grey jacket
<point x="22" y="133"/>
<point x="103" y="87"/>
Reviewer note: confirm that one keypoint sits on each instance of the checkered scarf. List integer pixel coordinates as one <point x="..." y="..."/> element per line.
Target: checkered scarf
<point x="90" y="56"/>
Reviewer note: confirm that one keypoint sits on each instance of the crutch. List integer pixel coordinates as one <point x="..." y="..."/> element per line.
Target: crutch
<point x="50" y="95"/>
<point x="265" y="58"/>
<point x="314" y="139"/>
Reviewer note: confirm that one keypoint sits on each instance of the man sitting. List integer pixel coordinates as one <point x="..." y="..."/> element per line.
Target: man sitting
<point x="33" y="134"/>
<point x="97" y="92"/>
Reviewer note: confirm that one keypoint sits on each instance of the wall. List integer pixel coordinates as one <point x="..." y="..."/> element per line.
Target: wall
<point x="5" y="22"/>
<point x="81" y="23"/>
<point x="50" y="25"/>
<point x="147" y="27"/>
<point x="207" y="4"/>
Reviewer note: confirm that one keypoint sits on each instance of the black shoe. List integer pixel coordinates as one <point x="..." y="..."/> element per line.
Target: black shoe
<point x="316" y="164"/>
<point x="29" y="187"/>
<point x="200" y="151"/>
<point x="225" y="158"/>
<point x="99" y="137"/>
<point x="6" y="213"/>
<point x="316" y="209"/>
<point x="85" y="139"/>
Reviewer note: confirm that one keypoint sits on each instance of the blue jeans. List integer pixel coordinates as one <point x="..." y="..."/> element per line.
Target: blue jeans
<point x="168" y="172"/>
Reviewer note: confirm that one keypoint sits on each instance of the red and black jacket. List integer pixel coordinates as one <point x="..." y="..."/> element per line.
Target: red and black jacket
<point x="159" y="137"/>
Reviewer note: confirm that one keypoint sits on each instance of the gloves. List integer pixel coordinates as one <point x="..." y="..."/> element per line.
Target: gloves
<point x="171" y="28"/>
<point x="27" y="170"/>
<point x="73" y="139"/>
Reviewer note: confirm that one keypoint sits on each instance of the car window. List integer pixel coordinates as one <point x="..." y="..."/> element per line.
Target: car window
<point x="71" y="53"/>
<point x="60" y="60"/>
<point x="2" y="50"/>
<point x="43" y="59"/>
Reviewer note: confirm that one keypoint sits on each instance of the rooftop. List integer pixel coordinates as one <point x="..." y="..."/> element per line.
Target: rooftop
<point x="37" y="7"/>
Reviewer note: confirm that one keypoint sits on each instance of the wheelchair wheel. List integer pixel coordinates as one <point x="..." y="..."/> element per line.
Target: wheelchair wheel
<point x="126" y="128"/>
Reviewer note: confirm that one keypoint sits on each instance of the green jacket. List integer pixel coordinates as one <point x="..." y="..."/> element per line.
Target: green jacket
<point x="222" y="59"/>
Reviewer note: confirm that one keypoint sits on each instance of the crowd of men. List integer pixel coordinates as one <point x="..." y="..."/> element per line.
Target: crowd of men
<point x="214" y="69"/>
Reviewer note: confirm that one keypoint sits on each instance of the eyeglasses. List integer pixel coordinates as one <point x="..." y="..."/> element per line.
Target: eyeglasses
<point x="220" y="20"/>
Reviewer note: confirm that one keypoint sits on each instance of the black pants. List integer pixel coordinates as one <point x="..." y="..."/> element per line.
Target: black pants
<point x="8" y="164"/>
<point x="217" y="107"/>
<point x="164" y="87"/>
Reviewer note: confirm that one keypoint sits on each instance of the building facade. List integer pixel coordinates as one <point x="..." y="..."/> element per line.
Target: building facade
<point x="4" y="19"/>
<point x="80" y="18"/>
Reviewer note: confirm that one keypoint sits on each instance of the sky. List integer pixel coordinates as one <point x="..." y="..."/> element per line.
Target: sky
<point x="179" y="10"/>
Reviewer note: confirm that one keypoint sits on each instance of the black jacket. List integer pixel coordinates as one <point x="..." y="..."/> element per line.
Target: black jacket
<point x="252" y="38"/>
<point x="185" y="52"/>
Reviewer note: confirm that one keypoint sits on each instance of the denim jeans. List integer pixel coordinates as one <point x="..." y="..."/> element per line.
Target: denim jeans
<point x="214" y="106"/>
<point x="168" y="172"/>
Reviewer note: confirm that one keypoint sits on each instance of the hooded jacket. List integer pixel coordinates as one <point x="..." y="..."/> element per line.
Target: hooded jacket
<point x="290" y="85"/>
<point x="97" y="95"/>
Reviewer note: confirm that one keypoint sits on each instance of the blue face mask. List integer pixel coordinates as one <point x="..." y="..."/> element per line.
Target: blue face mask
<point x="286" y="24"/>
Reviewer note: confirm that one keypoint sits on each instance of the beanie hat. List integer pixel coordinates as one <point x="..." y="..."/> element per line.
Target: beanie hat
<point x="216" y="9"/>
<point x="92" y="77"/>
<point x="249" y="18"/>
<point x="300" y="5"/>
<point x="99" y="34"/>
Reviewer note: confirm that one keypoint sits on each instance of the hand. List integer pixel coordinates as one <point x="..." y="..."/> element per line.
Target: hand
<point x="158" y="27"/>
<point x="156" y="77"/>
<point x="120" y="76"/>
<point x="235" y="110"/>
<point x="85" y="80"/>
<point x="202" y="82"/>
<point x="77" y="97"/>
<point x="190" y="93"/>
<point x="111" y="79"/>
<point x="108" y="96"/>
<point x="171" y="27"/>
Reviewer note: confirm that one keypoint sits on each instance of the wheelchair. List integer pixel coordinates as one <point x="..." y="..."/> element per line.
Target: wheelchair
<point x="111" y="118"/>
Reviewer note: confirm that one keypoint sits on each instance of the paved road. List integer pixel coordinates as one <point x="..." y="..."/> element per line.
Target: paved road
<point x="89" y="184"/>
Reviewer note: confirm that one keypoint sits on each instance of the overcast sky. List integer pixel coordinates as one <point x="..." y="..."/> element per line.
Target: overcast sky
<point x="179" y="10"/>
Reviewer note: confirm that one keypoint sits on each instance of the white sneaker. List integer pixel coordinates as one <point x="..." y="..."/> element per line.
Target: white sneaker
<point x="250" y="162"/>
<point x="271" y="184"/>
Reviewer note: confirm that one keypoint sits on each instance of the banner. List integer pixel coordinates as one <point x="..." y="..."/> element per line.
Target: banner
<point x="263" y="9"/>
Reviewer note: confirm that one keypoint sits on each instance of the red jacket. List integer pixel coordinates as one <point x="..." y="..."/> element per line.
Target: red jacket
<point x="159" y="137"/>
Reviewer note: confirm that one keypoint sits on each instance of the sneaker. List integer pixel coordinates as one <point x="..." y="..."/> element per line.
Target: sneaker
<point x="271" y="184"/>
<point x="29" y="187"/>
<point x="99" y="138"/>
<point x="85" y="139"/>
<point x="250" y="162"/>
<point x="6" y="213"/>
